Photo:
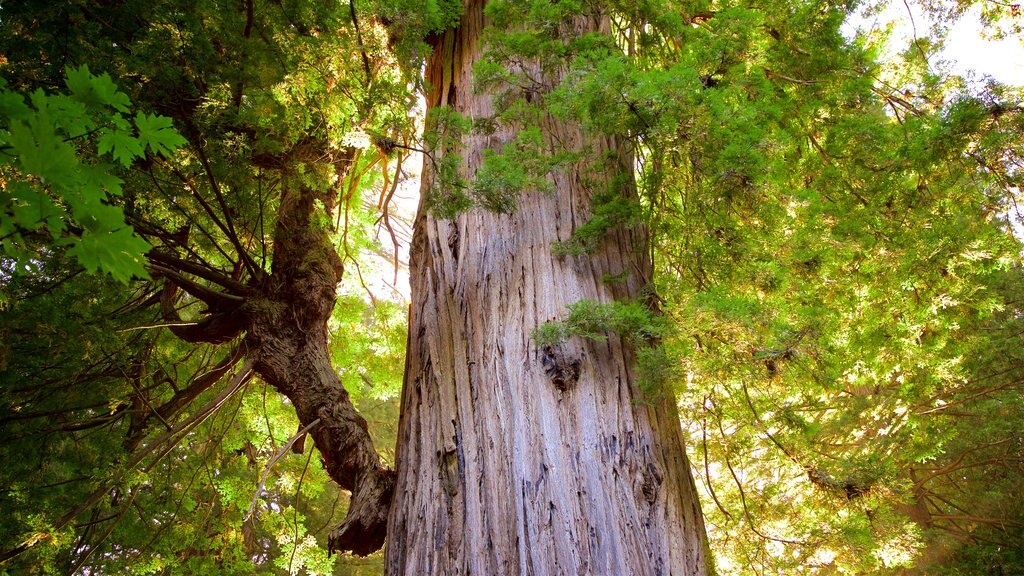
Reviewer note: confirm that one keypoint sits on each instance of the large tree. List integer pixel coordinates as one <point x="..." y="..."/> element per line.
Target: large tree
<point x="624" y="205"/>
<point x="517" y="455"/>
<point x="244" y="266"/>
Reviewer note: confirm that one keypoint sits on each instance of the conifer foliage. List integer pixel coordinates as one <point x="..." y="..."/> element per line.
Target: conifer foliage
<point x="194" y="196"/>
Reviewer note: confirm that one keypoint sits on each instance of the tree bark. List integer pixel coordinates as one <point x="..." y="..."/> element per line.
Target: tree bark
<point x="283" y="316"/>
<point x="512" y="459"/>
<point x="287" y="338"/>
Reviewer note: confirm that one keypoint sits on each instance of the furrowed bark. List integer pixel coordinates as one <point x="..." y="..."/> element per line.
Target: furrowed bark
<point x="282" y="319"/>
<point x="287" y="335"/>
<point x="513" y="459"/>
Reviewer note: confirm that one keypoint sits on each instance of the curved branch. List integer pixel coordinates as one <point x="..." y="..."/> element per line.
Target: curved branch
<point x="212" y="298"/>
<point x="273" y="460"/>
<point x="204" y="272"/>
<point x="219" y="327"/>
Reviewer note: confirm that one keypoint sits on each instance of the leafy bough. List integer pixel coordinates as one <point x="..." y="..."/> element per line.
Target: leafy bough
<point x="53" y="181"/>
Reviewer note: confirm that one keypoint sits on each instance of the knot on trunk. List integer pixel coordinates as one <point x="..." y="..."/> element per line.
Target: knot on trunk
<point x="562" y="371"/>
<point x="651" y="483"/>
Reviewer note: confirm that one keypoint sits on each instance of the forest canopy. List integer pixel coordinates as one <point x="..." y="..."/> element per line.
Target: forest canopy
<point x="194" y="192"/>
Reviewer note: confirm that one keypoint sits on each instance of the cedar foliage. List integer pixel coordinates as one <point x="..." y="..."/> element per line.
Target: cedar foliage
<point x="836" y="303"/>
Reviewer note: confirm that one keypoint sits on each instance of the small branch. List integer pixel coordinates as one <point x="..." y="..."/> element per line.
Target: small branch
<point x="743" y="497"/>
<point x="239" y="87"/>
<point x="165" y="325"/>
<point x="773" y="74"/>
<point x="196" y="386"/>
<point x="211" y="297"/>
<point x="707" y="466"/>
<point x="978" y="520"/>
<point x="359" y="40"/>
<point x="295" y="508"/>
<point x="227" y="226"/>
<point x="384" y="207"/>
<point x="273" y="460"/>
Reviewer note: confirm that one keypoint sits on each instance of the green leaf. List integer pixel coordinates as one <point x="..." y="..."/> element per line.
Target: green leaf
<point x="31" y="208"/>
<point x="41" y="152"/>
<point x="13" y="107"/>
<point x="70" y="116"/>
<point x="101" y="177"/>
<point x="158" y="133"/>
<point x="95" y="90"/>
<point x="124" y="147"/>
<point x="120" y="253"/>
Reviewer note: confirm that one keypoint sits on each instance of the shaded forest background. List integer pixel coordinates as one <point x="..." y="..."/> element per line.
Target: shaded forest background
<point x="838" y="283"/>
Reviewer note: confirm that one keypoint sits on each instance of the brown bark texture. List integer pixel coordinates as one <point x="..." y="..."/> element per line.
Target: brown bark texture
<point x="287" y="337"/>
<point x="514" y="459"/>
<point x="283" y="316"/>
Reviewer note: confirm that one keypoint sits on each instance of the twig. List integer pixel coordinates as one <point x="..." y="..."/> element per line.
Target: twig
<point x="295" y="510"/>
<point x="164" y="325"/>
<point x="270" y="464"/>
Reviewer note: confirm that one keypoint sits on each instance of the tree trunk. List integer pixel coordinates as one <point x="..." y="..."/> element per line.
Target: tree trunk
<point x="512" y="459"/>
<point x="287" y="338"/>
<point x="284" y="316"/>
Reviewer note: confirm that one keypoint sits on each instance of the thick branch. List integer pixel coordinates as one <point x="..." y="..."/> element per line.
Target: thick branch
<point x="212" y="298"/>
<point x="288" y="337"/>
<point x="217" y="328"/>
<point x="204" y="272"/>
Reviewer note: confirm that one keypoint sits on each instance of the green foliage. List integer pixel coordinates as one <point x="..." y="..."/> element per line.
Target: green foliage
<point x="658" y="371"/>
<point x="448" y="192"/>
<point x="633" y="321"/>
<point x="838" y="260"/>
<point x="839" y="286"/>
<point x="610" y="209"/>
<point x="47" y="187"/>
<point x="522" y="165"/>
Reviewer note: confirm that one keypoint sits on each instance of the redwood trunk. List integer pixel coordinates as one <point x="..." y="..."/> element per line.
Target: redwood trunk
<point x="512" y="459"/>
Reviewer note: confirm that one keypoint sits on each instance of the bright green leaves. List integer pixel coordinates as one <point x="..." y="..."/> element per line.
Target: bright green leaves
<point x="38" y="144"/>
<point x="49" y="186"/>
<point x="158" y="134"/>
<point x="593" y="320"/>
<point x="522" y="165"/>
<point x="152" y="132"/>
<point x="611" y="208"/>
<point x="96" y="91"/>
<point x="116" y="252"/>
<point x="442" y="14"/>
<point x="121" y="144"/>
<point x="634" y="322"/>
<point x="447" y="191"/>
